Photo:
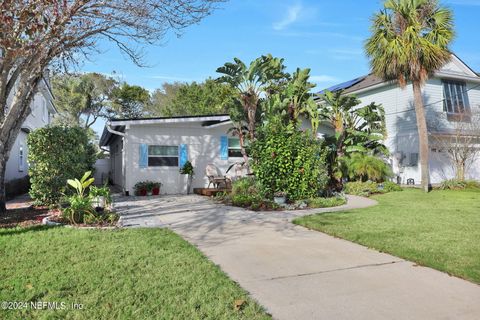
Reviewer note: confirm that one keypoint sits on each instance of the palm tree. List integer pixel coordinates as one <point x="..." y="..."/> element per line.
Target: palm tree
<point x="357" y="129"/>
<point x="263" y="77"/>
<point x="409" y="42"/>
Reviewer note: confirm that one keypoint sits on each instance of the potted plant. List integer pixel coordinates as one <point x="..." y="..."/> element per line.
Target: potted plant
<point x="188" y="170"/>
<point x="100" y="197"/>
<point x="280" y="197"/>
<point x="156" y="188"/>
<point x="149" y="186"/>
<point x="140" y="189"/>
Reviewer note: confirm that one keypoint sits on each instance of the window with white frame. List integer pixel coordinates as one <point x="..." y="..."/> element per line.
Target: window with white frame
<point x="234" y="149"/>
<point x="21" y="156"/>
<point x="456" y="97"/>
<point x="162" y="156"/>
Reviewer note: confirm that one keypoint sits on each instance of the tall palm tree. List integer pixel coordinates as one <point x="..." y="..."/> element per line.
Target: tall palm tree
<point x="409" y="42"/>
<point x="264" y="76"/>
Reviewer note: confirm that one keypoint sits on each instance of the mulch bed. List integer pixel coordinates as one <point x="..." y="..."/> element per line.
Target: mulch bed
<point x="23" y="217"/>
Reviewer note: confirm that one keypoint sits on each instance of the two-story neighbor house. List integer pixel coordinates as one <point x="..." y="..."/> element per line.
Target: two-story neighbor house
<point x="42" y="114"/>
<point x="453" y="90"/>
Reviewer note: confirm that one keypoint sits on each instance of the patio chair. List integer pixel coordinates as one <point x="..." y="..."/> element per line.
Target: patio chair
<point x="215" y="177"/>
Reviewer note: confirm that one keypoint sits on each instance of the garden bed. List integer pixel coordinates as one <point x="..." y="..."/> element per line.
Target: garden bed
<point x="23" y="217"/>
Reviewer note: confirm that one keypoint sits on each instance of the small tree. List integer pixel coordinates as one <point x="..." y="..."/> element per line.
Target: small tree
<point x="410" y="41"/>
<point x="35" y="34"/>
<point x="57" y="154"/>
<point x="458" y="140"/>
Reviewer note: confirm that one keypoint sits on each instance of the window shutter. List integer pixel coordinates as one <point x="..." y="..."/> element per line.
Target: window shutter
<point x="183" y="155"/>
<point x="224" y="148"/>
<point x="143" y="158"/>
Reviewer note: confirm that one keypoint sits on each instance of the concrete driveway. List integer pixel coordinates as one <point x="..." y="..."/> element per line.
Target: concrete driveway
<point x="296" y="273"/>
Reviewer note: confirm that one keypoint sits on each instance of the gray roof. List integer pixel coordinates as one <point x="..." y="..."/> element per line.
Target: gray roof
<point x="368" y="81"/>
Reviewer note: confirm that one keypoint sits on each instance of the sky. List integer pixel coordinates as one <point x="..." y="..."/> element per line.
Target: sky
<point x="323" y="35"/>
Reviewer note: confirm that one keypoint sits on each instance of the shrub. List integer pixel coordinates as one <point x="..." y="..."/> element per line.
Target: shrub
<point x="456" y="184"/>
<point x="389" y="186"/>
<point x="56" y="154"/>
<point x="361" y="167"/>
<point x="326" y="202"/>
<point x="359" y="188"/>
<point x="17" y="187"/>
<point x="245" y="186"/>
<point x="288" y="160"/>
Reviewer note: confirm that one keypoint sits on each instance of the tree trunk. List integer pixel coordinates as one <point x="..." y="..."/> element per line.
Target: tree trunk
<point x="3" y="199"/>
<point x="422" y="135"/>
<point x="243" y="150"/>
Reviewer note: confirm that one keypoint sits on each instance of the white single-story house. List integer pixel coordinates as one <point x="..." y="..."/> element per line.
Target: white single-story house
<point x="453" y="90"/>
<point x="43" y="111"/>
<point x="156" y="148"/>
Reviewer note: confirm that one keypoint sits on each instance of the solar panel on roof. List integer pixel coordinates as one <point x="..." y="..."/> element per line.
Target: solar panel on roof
<point x="344" y="85"/>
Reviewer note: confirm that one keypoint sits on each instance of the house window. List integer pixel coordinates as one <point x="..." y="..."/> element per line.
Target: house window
<point x="21" y="156"/>
<point x="234" y="149"/>
<point x="413" y="160"/>
<point x="456" y="97"/>
<point x="163" y="156"/>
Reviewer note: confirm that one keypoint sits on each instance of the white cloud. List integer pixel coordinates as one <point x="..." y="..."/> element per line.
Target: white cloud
<point x="323" y="78"/>
<point x="293" y="14"/>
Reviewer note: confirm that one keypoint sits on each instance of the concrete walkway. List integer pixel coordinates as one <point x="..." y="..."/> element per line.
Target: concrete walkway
<point x="297" y="273"/>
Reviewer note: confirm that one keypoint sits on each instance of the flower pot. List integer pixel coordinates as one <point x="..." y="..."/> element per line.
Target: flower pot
<point x="99" y="202"/>
<point x="149" y="193"/>
<point x="156" y="191"/>
<point x="280" y="200"/>
<point x="143" y="192"/>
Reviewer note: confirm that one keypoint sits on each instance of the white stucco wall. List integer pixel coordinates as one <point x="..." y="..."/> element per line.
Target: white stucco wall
<point x="203" y="147"/>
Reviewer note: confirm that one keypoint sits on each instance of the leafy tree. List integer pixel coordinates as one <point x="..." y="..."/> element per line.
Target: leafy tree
<point x="410" y="41"/>
<point x="357" y="129"/>
<point x="209" y="97"/>
<point x="40" y="33"/>
<point x="129" y="101"/>
<point x="56" y="154"/>
<point x="83" y="98"/>
<point x="162" y="98"/>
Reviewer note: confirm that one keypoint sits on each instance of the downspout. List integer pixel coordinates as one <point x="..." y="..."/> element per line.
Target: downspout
<point x="123" y="135"/>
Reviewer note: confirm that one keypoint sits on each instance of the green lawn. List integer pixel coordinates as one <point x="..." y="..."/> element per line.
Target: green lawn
<point x="126" y="274"/>
<point x="440" y="229"/>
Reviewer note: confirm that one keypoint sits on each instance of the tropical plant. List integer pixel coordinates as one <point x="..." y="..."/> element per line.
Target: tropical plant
<point x="96" y="192"/>
<point x="56" y="154"/>
<point x="264" y="76"/>
<point x="81" y="185"/>
<point x="409" y="42"/>
<point x="357" y="130"/>
<point x="365" y="167"/>
<point x="289" y="160"/>
<point x="187" y="168"/>
<point x="78" y="208"/>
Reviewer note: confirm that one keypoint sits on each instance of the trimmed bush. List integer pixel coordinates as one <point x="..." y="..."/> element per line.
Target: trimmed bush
<point x="56" y="154"/>
<point x="389" y="186"/>
<point x="288" y="160"/>
<point x="359" y="188"/>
